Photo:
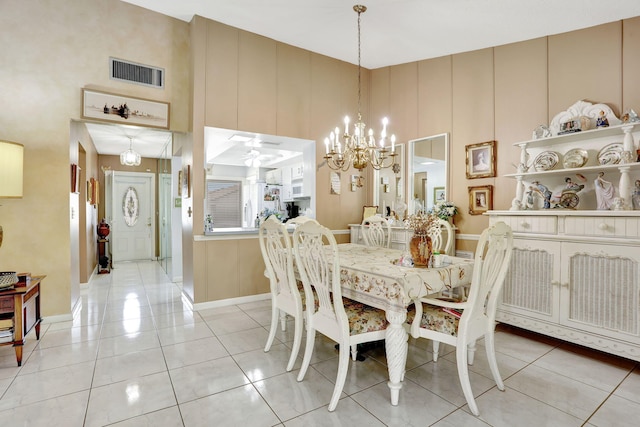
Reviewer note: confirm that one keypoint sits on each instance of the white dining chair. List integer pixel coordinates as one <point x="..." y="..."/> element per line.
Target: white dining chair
<point x="376" y="231"/>
<point x="275" y="245"/>
<point x="347" y="324"/>
<point x="442" y="241"/>
<point x="461" y="324"/>
<point x="441" y="236"/>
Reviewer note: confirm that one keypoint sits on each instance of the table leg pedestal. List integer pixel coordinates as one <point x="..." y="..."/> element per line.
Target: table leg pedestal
<point x="397" y="347"/>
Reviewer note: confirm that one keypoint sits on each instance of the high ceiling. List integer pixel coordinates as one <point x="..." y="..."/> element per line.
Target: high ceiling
<point x="400" y="31"/>
<point x="392" y="31"/>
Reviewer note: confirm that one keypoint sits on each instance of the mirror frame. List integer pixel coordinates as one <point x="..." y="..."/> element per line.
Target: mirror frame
<point x="402" y="160"/>
<point x="409" y="163"/>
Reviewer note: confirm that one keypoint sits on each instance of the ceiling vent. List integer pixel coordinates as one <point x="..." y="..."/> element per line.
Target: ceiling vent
<point x="136" y="73"/>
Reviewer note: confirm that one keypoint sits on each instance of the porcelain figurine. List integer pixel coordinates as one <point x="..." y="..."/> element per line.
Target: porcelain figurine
<point x="635" y="198"/>
<point x="605" y="192"/>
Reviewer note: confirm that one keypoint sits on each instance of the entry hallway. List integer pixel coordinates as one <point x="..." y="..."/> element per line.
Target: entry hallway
<point x="136" y="355"/>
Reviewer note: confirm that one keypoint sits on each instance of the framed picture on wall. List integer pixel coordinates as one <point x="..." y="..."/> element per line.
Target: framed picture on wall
<point x="124" y="109"/>
<point x="184" y="177"/>
<point x="438" y="194"/>
<point x="481" y="160"/>
<point x="95" y="191"/>
<point x="334" y="183"/>
<point x="75" y="178"/>
<point x="480" y="199"/>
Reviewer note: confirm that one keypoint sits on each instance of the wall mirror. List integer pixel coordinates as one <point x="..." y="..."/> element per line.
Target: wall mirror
<point x="427" y="171"/>
<point x="389" y="185"/>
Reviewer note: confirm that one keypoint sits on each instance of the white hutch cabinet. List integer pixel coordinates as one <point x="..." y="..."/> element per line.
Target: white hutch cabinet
<point x="575" y="276"/>
<point x="575" y="273"/>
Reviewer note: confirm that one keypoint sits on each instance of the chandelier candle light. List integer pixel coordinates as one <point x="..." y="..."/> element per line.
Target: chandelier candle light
<point x="359" y="149"/>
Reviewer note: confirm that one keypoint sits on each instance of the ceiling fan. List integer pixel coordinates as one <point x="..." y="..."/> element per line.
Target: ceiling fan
<point x="254" y="158"/>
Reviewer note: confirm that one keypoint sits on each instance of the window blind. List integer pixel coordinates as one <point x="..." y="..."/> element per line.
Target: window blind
<point x="224" y="203"/>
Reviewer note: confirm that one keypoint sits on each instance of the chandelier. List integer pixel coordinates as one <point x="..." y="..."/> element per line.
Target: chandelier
<point x="359" y="149"/>
<point x="130" y="157"/>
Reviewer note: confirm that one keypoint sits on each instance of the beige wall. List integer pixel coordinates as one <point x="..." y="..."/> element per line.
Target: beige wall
<point x="503" y="93"/>
<point x="50" y="50"/>
<point x="225" y="77"/>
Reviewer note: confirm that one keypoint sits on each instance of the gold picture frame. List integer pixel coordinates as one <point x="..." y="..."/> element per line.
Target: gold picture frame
<point x="92" y="191"/>
<point x="188" y="181"/>
<point x="480" y="199"/>
<point x="481" y="160"/>
<point x="184" y="177"/>
<point x="95" y="192"/>
<point x="89" y="190"/>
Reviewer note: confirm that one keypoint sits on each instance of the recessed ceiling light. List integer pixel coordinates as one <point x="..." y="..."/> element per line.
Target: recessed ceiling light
<point x="240" y="138"/>
<point x="253" y="143"/>
<point x="428" y="163"/>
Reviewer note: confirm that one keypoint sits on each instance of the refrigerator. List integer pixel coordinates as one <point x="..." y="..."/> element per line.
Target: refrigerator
<point x="269" y="199"/>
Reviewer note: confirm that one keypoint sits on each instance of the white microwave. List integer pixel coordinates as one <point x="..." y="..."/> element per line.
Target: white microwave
<point x="296" y="189"/>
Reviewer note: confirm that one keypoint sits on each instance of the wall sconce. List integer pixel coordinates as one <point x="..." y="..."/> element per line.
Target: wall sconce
<point x="11" y="170"/>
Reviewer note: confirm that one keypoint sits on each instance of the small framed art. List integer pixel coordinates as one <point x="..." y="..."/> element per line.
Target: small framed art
<point x="480" y="199"/>
<point x="75" y="178"/>
<point x="481" y="160"/>
<point x="438" y="194"/>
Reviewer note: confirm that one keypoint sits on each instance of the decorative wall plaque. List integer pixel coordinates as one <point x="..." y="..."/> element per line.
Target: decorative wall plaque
<point x="130" y="206"/>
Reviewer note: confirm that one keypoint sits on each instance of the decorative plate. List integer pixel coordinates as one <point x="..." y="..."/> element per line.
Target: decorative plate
<point x="546" y="161"/>
<point x="575" y="158"/>
<point x="610" y="154"/>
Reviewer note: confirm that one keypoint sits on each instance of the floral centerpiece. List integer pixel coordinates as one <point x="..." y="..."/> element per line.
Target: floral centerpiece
<point x="422" y="225"/>
<point x="444" y="210"/>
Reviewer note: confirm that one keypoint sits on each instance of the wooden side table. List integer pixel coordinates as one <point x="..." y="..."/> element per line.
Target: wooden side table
<point x="23" y="304"/>
<point x="103" y="256"/>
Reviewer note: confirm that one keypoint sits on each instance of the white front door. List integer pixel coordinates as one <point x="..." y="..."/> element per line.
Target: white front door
<point x="133" y="224"/>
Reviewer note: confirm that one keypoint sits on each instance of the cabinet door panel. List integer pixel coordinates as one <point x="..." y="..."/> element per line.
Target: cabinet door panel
<point x="531" y="284"/>
<point x="601" y="289"/>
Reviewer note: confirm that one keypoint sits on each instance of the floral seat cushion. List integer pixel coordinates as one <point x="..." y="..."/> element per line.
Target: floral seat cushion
<point x="304" y="299"/>
<point x="435" y="319"/>
<point x="364" y="318"/>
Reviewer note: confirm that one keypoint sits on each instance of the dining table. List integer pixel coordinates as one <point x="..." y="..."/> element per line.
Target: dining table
<point x="376" y="276"/>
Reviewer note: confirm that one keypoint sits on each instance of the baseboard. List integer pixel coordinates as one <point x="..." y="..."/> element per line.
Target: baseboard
<point x="58" y="318"/>
<point x="230" y="301"/>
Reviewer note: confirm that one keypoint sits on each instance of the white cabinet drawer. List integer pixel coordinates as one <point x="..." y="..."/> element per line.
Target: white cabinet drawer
<point x="531" y="224"/>
<point x="603" y="226"/>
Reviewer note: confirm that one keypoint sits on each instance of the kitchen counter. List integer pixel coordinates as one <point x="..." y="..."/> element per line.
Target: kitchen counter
<point x="232" y="233"/>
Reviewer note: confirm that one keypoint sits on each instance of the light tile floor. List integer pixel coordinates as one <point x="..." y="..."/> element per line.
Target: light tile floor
<point x="136" y="355"/>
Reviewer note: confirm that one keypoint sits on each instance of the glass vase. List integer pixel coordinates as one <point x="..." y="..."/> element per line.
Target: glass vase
<point x="420" y="248"/>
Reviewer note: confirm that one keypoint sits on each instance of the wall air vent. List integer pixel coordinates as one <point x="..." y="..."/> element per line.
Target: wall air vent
<point x="131" y="72"/>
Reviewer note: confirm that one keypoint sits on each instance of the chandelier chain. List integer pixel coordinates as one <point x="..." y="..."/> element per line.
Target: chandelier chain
<point x="345" y="150"/>
<point x="359" y="66"/>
